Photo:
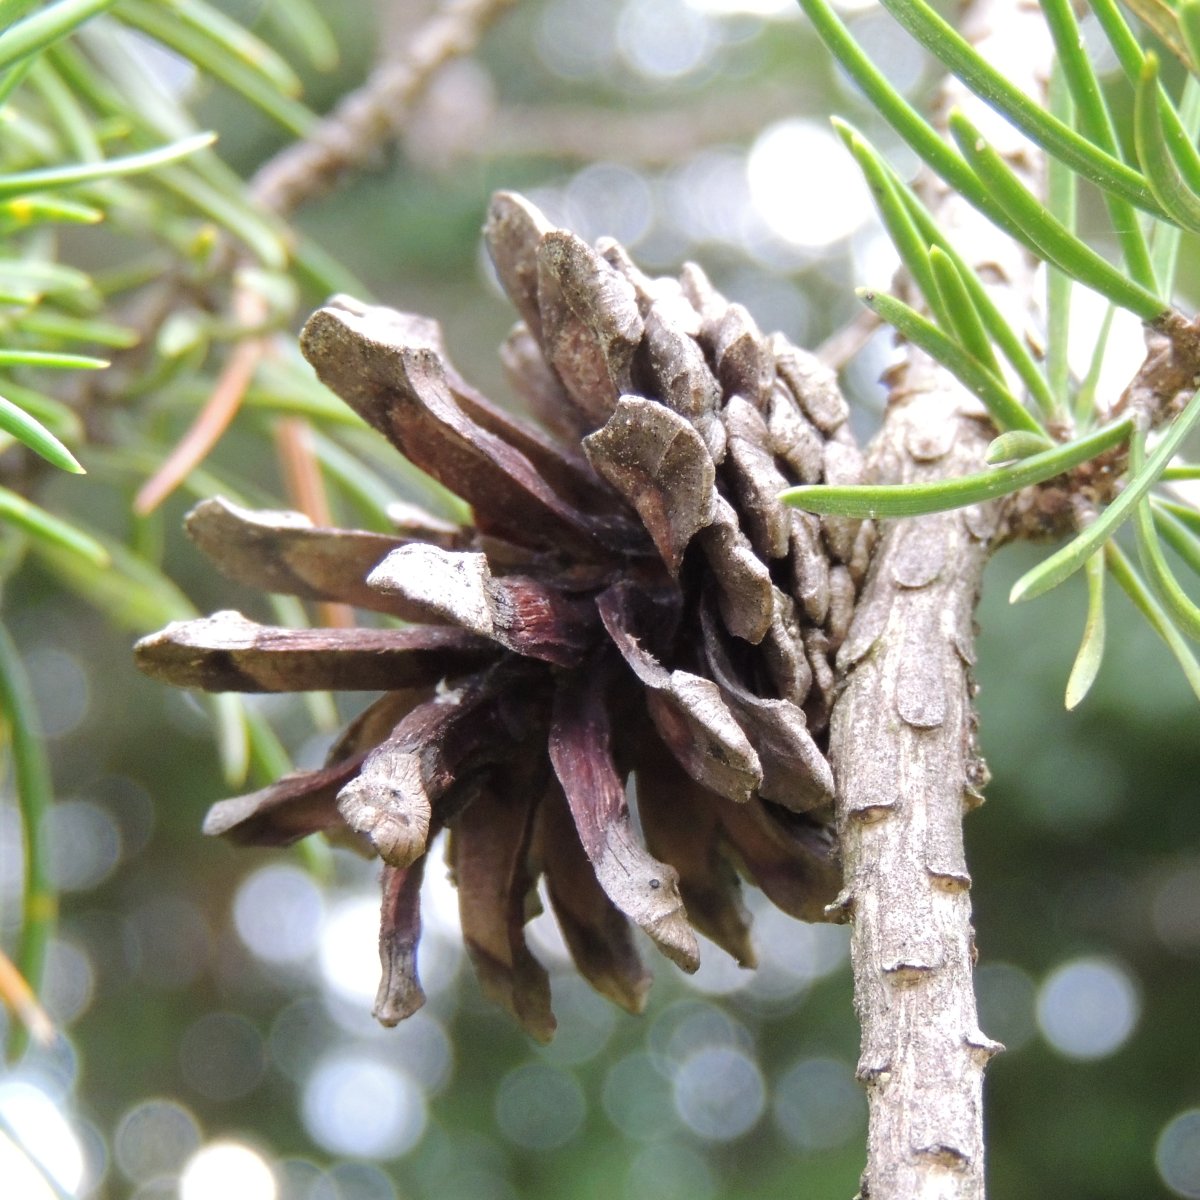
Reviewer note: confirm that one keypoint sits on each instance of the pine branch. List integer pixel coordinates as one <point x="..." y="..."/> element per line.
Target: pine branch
<point x="646" y="136"/>
<point x="367" y="118"/>
<point x="902" y="733"/>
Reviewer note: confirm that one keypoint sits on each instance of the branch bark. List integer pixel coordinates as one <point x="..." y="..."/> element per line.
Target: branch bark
<point x="902" y="735"/>
<point x="372" y="115"/>
<point x="655" y="136"/>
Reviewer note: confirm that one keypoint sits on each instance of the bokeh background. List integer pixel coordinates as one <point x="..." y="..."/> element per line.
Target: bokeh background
<point x="215" y="1003"/>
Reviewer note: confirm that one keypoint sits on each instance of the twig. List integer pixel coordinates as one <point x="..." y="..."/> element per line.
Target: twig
<point x="31" y="777"/>
<point x="1166" y="380"/>
<point x="347" y="138"/>
<point x="843" y="344"/>
<point x="902" y="733"/>
<point x="21" y="1001"/>
<point x="306" y="488"/>
<point x="214" y="418"/>
<point x="644" y="137"/>
<point x="366" y="119"/>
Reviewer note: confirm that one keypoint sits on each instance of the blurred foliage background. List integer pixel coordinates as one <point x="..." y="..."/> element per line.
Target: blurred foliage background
<point x="213" y="1004"/>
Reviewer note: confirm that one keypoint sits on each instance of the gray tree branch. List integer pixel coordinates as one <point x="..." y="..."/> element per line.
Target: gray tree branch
<point x="350" y="136"/>
<point x="903" y="731"/>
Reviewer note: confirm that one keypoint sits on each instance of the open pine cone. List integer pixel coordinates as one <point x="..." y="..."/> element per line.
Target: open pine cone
<point x="632" y="599"/>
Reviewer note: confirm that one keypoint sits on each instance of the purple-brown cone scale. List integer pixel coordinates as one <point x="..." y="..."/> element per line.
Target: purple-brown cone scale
<point x="630" y="601"/>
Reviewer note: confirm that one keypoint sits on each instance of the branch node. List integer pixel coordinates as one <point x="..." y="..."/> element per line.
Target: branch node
<point x="842" y="908"/>
<point x="945" y="1156"/>
<point x="872" y="814"/>
<point x="906" y="975"/>
<point x="874" y="1077"/>
<point x="954" y="882"/>
<point x="982" y="1047"/>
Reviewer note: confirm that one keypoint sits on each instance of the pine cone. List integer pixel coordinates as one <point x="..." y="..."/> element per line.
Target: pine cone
<point x="632" y="599"/>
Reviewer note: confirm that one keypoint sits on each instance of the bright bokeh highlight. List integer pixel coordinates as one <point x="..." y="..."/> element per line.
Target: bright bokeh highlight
<point x="1088" y="1008"/>
<point x="805" y="186"/>
<point x="719" y="1093"/>
<point x="43" y="1136"/>
<point x="155" y="1138"/>
<point x="277" y="912"/>
<point x="349" y="948"/>
<point x="1177" y="1154"/>
<point x="222" y="1170"/>
<point x="355" y="1105"/>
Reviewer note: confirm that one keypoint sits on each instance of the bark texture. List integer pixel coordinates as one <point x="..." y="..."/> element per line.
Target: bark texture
<point x="903" y="751"/>
<point x="902" y="734"/>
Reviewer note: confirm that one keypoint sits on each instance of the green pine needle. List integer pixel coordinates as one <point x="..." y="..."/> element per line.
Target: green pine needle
<point x="1187" y="13"/>
<point x="1183" y="513"/>
<point x="1165" y="237"/>
<point x="236" y="42"/>
<point x="1005" y="409"/>
<point x="1057" y="139"/>
<point x="48" y="178"/>
<point x="913" y="232"/>
<point x="212" y="57"/>
<point x="1062" y="199"/>
<point x="22" y="212"/>
<point x="229" y="210"/>
<point x="1124" y="572"/>
<point x="232" y="736"/>
<point x="79" y="329"/>
<point x="32" y="433"/>
<point x="42" y="526"/>
<point x="1096" y="121"/>
<point x="1065" y="562"/>
<point x="51" y="358"/>
<point x="301" y="23"/>
<point x="1091" y="648"/>
<point x="903" y="118"/>
<point x="1178" y="200"/>
<point x="914" y="499"/>
<point x="1055" y="243"/>
<point x="62" y="420"/>
<point x="1017" y="443"/>
<point x="1131" y="56"/>
<point x="902" y="229"/>
<point x="1085" y="396"/>
<point x="46" y="27"/>
<point x="1011" y="342"/>
<point x="965" y="321"/>
<point x="1176" y="533"/>
<point x="1175" y="600"/>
